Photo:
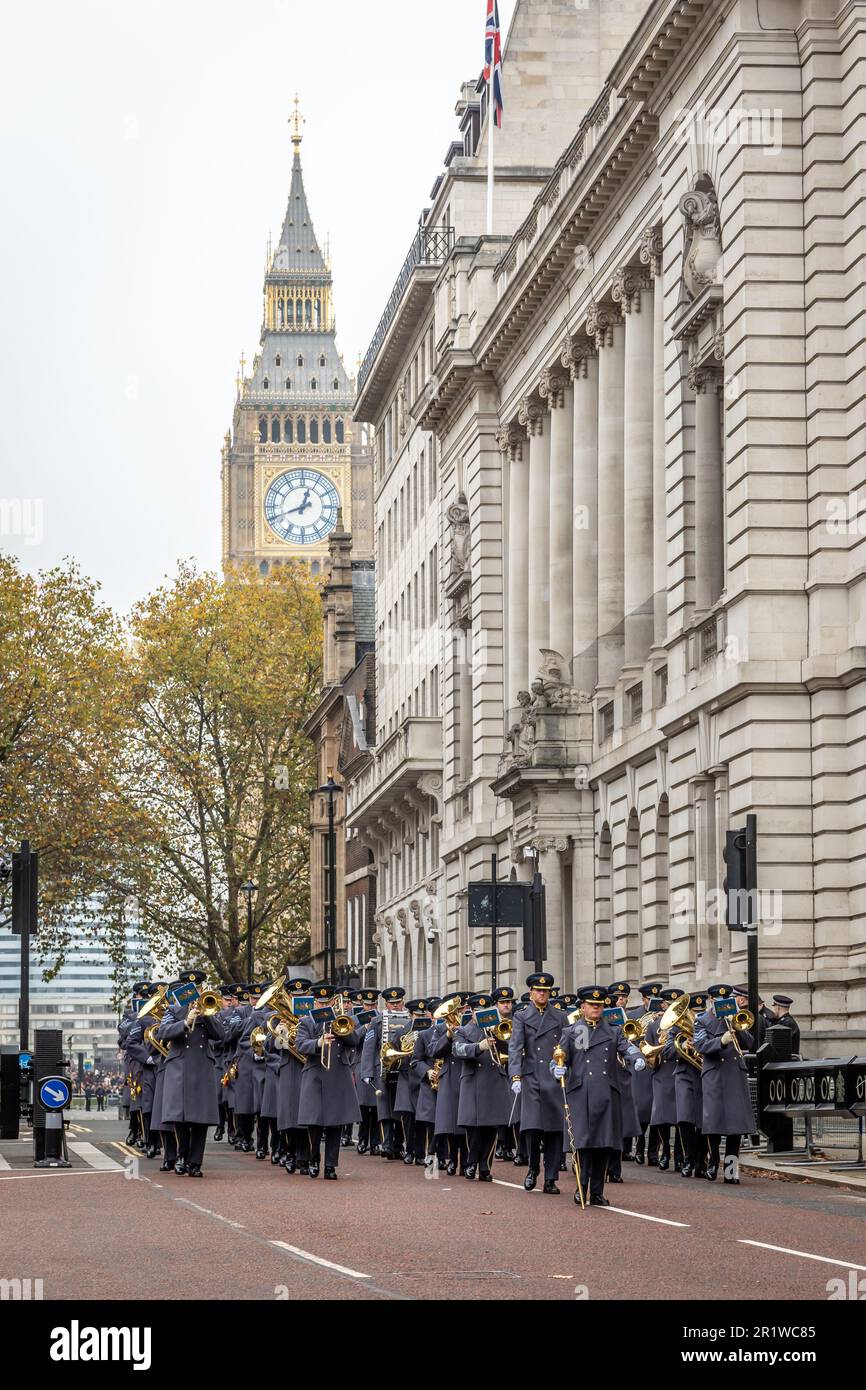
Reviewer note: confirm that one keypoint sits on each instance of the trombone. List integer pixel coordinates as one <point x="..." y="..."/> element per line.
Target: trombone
<point x="341" y="1026"/>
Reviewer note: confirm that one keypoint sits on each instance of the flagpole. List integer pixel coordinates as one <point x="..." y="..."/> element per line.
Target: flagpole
<point x="491" y="126"/>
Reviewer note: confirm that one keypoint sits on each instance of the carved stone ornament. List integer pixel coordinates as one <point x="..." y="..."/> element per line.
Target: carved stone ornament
<point x="601" y="319"/>
<point x="629" y="284"/>
<point x="458" y="520"/>
<point x="651" y="249"/>
<point x="575" y="356"/>
<point x="705" y="378"/>
<point x="552" y="386"/>
<point x="511" y="440"/>
<point x="551" y="692"/>
<point x="703" y="249"/>
<point x="531" y="416"/>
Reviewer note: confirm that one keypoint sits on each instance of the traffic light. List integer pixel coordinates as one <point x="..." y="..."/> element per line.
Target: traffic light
<point x="735" y="884"/>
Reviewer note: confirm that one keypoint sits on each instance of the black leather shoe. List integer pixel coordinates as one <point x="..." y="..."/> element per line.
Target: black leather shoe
<point x="519" y="1162"/>
<point x="347" y="1143"/>
<point x="261" y="1153"/>
<point x="408" y="1159"/>
<point x="734" y="1182"/>
<point x="420" y="1162"/>
<point x="639" y="1158"/>
<point x="246" y="1146"/>
<point x="304" y="1170"/>
<point x="131" y="1137"/>
<point x="313" y="1170"/>
<point x="276" y="1157"/>
<point x="500" y="1152"/>
<point x="507" y="1155"/>
<point x="700" y="1172"/>
<point x="195" y="1172"/>
<point x="180" y="1167"/>
<point x="610" y="1179"/>
<point x="628" y="1158"/>
<point x="664" y="1163"/>
<point x="551" y="1188"/>
<point x="686" y="1170"/>
<point x="485" y="1177"/>
<point x="331" y="1174"/>
<point x="599" y="1202"/>
<point x="711" y="1172"/>
<point x="218" y="1134"/>
<point x="577" y="1199"/>
<point x="451" y="1169"/>
<point x="362" y="1147"/>
<point x="469" y="1171"/>
<point x="290" y="1165"/>
<point x="530" y="1180"/>
<point x="167" y="1168"/>
<point x="152" y="1151"/>
<point x="652" y="1161"/>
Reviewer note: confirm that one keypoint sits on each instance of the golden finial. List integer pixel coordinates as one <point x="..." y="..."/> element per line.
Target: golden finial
<point x="297" y="122"/>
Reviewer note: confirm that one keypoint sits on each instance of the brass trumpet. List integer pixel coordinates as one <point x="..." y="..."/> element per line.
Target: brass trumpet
<point x="342" y="1026"/>
<point x="742" y="1022"/>
<point x="500" y="1037"/>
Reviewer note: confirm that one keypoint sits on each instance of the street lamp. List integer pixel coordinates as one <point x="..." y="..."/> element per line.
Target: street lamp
<point x="330" y="790"/>
<point x="248" y="889"/>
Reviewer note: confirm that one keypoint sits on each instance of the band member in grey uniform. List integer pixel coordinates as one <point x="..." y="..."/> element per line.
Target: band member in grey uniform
<point x="447" y="1129"/>
<point x="664" y="1109"/>
<point x="296" y="1140"/>
<point x="189" y="1099"/>
<point x="406" y="1096"/>
<point x="420" y="1064"/>
<point x="727" y="1107"/>
<point x="384" y="1089"/>
<point x="537" y="1030"/>
<point x="366" y="1000"/>
<point x="485" y="1095"/>
<point x="328" y="1100"/>
<point x="642" y="1084"/>
<point x="592" y="1088"/>
<point x="689" y="1096"/>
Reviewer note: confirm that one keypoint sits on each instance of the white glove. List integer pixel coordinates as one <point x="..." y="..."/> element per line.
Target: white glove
<point x="726" y="1038"/>
<point x="149" y="1062"/>
<point x="640" y="1064"/>
<point x="368" y="1080"/>
<point x="484" y="1045"/>
<point x="516" y="1087"/>
<point x="559" y="1072"/>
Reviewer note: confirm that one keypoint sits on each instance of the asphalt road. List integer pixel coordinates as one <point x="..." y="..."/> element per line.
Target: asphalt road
<point x="383" y="1231"/>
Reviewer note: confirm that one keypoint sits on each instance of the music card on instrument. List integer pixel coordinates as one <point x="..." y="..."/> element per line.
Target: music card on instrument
<point x="184" y="993"/>
<point x="301" y="1004"/>
<point x="487" y="1018"/>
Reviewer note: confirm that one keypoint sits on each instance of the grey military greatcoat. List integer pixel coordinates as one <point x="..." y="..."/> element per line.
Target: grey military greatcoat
<point x="371" y="1065"/>
<point x="485" y="1091"/>
<point x="408" y="1082"/>
<point x="448" y="1093"/>
<point x="420" y="1064"/>
<point x="327" y="1097"/>
<point x="533" y="1038"/>
<point x="144" y="1057"/>
<point x="641" y="1084"/>
<point x="664" y="1107"/>
<point x="726" y="1108"/>
<point x="251" y="1069"/>
<point x="592" y="1083"/>
<point x="188" y="1095"/>
<point x="268" y="1109"/>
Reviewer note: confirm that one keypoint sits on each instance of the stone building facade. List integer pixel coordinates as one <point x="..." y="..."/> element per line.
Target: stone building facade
<point x="643" y="395"/>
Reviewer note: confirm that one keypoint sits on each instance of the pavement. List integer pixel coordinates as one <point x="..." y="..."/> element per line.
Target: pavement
<point x="114" y="1227"/>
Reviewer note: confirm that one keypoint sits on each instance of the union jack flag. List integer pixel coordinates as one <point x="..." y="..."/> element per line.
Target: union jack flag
<point x="493" y="59"/>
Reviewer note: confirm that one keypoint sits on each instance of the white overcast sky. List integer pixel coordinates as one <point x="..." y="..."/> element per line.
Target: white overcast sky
<point x="144" y="157"/>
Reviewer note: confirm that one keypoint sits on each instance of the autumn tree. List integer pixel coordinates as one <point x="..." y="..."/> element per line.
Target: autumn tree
<point x="62" y="735"/>
<point x="221" y="676"/>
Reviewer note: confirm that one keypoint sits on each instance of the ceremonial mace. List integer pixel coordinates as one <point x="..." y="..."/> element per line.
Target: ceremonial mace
<point x="559" y="1059"/>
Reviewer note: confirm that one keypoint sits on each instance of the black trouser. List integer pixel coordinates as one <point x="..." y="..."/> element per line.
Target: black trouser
<point x="266" y="1132"/>
<point x="506" y="1141"/>
<point x="299" y="1145"/>
<point x="614" y="1163"/>
<point x="224" y="1113"/>
<point x="151" y="1137"/>
<point x="368" y="1132"/>
<point x="593" y="1171"/>
<point x="230" y="1120"/>
<point x="522" y="1148"/>
<point x="690" y="1138"/>
<point x="87" y="1100"/>
<point x="391" y="1135"/>
<point x="100" y="1103"/>
<point x="134" y="1124"/>
<point x="347" y="1135"/>
<point x="732" y="1150"/>
<point x="191" y="1140"/>
<point x="169" y="1145"/>
<point x="244" y="1127"/>
<point x="332" y="1135"/>
<point x="552" y="1151"/>
<point x="457" y="1149"/>
<point x="482" y="1142"/>
<point x="423" y="1138"/>
<point x="407" y="1120"/>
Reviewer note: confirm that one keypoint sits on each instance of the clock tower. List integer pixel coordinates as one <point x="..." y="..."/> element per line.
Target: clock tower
<point x="291" y="463"/>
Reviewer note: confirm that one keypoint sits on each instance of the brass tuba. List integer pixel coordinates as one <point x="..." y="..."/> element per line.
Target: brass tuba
<point x="283" y="1023"/>
<point x="679" y="1015"/>
<point x="155" y="1008"/>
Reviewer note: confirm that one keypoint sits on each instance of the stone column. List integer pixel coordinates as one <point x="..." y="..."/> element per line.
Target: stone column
<point x="555" y="390"/>
<point x="651" y="255"/>
<point x="550" y="850"/>
<point x="632" y="290"/>
<point x="581" y="359"/>
<point x="604" y="325"/>
<point x="706" y="382"/>
<point x="533" y="415"/>
<point x="512" y="442"/>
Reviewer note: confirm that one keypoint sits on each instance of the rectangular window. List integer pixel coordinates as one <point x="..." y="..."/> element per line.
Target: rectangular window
<point x="661" y="686"/>
<point x="605" y="722"/>
<point x="421" y="466"/>
<point x="634" y="703"/>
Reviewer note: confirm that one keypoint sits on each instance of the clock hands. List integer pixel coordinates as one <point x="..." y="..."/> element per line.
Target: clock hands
<point x="303" y="507"/>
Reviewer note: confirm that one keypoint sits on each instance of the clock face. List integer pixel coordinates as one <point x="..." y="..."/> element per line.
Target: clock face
<point x="301" y="506"/>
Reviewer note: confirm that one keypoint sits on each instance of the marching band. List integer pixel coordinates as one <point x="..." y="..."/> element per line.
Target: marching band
<point x="551" y="1082"/>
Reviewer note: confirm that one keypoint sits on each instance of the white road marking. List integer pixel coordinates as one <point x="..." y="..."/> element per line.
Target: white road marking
<point x="642" y="1216"/>
<point x="4" y="1162"/>
<point x="92" y="1156"/>
<point x="185" y="1202"/>
<point x="803" y="1254"/>
<point x="60" y="1173"/>
<point x="318" y="1260"/>
<point x="500" y="1182"/>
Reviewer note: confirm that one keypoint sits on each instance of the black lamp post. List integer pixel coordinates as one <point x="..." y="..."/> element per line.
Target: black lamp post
<point x="248" y="889"/>
<point x="330" y="789"/>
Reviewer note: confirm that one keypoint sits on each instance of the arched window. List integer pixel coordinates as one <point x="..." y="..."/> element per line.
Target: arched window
<point x="288" y="383"/>
<point x="264" y="567"/>
<point x="280" y="308"/>
<point x="313" y="384"/>
<point x="322" y="360"/>
<point x="275" y="430"/>
<point x="326" y="431"/>
<point x="278" y="359"/>
<point x="336" y="384"/>
<point x="287" y="430"/>
<point x="300" y="361"/>
<point x="290" y="311"/>
<point x="266" y="384"/>
<point x="308" y="310"/>
<point x="340" y="432"/>
<point x="315" y="567"/>
<point x="314" y="431"/>
<point x="263" y="430"/>
<point x="302" y="430"/>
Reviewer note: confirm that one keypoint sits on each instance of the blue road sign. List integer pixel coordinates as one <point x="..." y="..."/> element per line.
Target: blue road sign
<point x="54" y="1092"/>
<point x="24" y="1059"/>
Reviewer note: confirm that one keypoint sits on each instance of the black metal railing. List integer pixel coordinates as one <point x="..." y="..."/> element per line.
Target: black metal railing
<point x="430" y="246"/>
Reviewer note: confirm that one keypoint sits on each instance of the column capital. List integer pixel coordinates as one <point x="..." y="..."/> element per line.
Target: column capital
<point x="510" y="438"/>
<point x="552" y="387"/>
<point x="531" y="415"/>
<point x="704" y="379"/>
<point x="651" y="248"/>
<point x="575" y="355"/>
<point x="545" y="844"/>
<point x="601" y="319"/>
<point x="629" y="283"/>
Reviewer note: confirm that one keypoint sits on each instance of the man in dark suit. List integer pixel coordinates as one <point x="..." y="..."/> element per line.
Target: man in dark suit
<point x="782" y="1008"/>
<point x="537" y="1030"/>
